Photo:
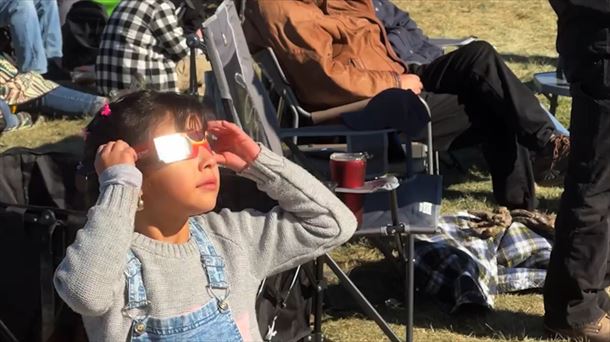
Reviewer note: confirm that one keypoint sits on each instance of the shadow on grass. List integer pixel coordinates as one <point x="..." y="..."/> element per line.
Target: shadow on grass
<point x="548" y="204"/>
<point x="471" y="321"/>
<point x="461" y="166"/>
<point x="478" y="196"/>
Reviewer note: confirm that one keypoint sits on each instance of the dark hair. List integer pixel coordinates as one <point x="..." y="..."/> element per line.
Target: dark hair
<point x="132" y="117"/>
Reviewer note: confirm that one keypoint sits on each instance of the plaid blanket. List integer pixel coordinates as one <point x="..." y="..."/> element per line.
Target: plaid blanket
<point x="458" y="267"/>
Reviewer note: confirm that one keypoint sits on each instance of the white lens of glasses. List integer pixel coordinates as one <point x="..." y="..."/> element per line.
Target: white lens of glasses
<point x="172" y="148"/>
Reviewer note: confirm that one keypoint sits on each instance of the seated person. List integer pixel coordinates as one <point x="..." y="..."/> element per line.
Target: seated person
<point x="31" y="92"/>
<point x="36" y="35"/>
<point x="337" y="52"/>
<point x="413" y="47"/>
<point x="143" y="42"/>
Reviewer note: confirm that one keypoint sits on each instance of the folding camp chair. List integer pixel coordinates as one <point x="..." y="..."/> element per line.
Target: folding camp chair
<point x="374" y="142"/>
<point x="246" y="102"/>
<point x="552" y="85"/>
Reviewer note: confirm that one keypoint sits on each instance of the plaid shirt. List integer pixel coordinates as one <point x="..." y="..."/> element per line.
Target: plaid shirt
<point x="142" y="37"/>
<point x="459" y="268"/>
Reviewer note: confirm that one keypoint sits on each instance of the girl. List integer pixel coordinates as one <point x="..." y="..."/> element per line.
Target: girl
<point x="153" y="262"/>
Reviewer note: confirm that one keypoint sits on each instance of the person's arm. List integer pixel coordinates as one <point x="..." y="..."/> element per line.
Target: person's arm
<point x="90" y="278"/>
<point x="309" y="221"/>
<point x="407" y="39"/>
<point x="164" y="26"/>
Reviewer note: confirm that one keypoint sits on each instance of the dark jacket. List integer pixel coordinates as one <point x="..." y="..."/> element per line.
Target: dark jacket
<point x="408" y="41"/>
<point x="582" y="27"/>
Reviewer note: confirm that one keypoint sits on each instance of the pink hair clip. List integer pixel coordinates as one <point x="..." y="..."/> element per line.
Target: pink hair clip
<point x="106" y="110"/>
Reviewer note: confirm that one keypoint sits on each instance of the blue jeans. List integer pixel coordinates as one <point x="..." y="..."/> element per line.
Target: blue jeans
<point x="66" y="101"/>
<point x="35" y="30"/>
<point x="10" y="119"/>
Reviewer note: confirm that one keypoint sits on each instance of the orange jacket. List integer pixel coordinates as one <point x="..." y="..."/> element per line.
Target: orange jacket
<point x="333" y="52"/>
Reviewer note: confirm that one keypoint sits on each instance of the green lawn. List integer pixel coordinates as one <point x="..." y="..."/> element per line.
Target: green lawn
<point x="523" y="32"/>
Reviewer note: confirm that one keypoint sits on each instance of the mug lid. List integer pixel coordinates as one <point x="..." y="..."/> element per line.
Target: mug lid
<point x="341" y="156"/>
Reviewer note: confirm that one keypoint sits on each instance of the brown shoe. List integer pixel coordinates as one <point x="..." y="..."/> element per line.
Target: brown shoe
<point x="593" y="332"/>
<point x="552" y="162"/>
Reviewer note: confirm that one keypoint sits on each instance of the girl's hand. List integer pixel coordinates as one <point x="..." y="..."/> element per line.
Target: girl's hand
<point x="233" y="147"/>
<point x="114" y="153"/>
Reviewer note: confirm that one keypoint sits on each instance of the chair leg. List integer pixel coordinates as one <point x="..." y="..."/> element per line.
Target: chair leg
<point x="318" y="300"/>
<point x="553" y="103"/>
<point x="364" y="304"/>
<point x="409" y="285"/>
<point x="5" y="334"/>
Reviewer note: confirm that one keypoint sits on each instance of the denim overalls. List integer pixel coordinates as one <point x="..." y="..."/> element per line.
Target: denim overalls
<point x="212" y="322"/>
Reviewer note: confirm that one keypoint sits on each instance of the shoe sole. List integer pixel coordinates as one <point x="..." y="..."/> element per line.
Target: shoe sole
<point x="552" y="333"/>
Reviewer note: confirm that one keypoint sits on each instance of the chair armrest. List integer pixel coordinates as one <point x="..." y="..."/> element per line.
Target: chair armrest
<point x="387" y="183"/>
<point x="335" y="112"/>
<point x="327" y="131"/>
<point x="446" y="42"/>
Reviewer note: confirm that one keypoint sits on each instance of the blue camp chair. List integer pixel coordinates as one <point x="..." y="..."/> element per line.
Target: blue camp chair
<point x="414" y="202"/>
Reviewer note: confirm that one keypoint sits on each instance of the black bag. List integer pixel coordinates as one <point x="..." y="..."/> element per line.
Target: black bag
<point x="284" y="304"/>
<point x="82" y="33"/>
<point x="39" y="214"/>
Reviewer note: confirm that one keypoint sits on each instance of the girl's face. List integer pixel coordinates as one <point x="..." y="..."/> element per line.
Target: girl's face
<point x="188" y="187"/>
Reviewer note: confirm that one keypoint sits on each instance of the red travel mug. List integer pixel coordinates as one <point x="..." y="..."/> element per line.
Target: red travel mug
<point x="348" y="171"/>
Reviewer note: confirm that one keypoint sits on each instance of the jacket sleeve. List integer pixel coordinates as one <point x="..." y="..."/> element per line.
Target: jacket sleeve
<point x="309" y="221"/>
<point x="408" y="40"/>
<point x="90" y="278"/>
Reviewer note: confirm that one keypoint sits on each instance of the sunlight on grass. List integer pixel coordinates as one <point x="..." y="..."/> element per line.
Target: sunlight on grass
<point x="42" y="133"/>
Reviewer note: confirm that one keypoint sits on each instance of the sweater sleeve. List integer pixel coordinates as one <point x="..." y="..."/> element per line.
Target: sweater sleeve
<point x="309" y="221"/>
<point x="90" y="278"/>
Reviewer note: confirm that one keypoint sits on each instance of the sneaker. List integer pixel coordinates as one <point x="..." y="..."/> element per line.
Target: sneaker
<point x="551" y="163"/>
<point x="25" y="121"/>
<point x="598" y="331"/>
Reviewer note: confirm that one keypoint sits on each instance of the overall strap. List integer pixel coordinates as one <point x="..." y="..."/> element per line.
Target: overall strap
<point x="136" y="293"/>
<point x="213" y="263"/>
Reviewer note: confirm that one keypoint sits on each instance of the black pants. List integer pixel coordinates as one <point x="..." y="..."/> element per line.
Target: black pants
<point x="578" y="271"/>
<point x="475" y="98"/>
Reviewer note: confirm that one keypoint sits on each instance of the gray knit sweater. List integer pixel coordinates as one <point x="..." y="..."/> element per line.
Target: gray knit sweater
<point x="308" y="222"/>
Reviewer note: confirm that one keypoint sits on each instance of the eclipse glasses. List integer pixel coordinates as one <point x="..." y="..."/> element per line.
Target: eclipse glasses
<point x="175" y="147"/>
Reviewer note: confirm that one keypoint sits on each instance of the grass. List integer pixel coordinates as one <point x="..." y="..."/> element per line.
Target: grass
<point x="524" y="33"/>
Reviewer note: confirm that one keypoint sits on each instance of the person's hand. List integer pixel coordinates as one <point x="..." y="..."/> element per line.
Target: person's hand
<point x="232" y="146"/>
<point x="411" y="81"/>
<point x="114" y="153"/>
